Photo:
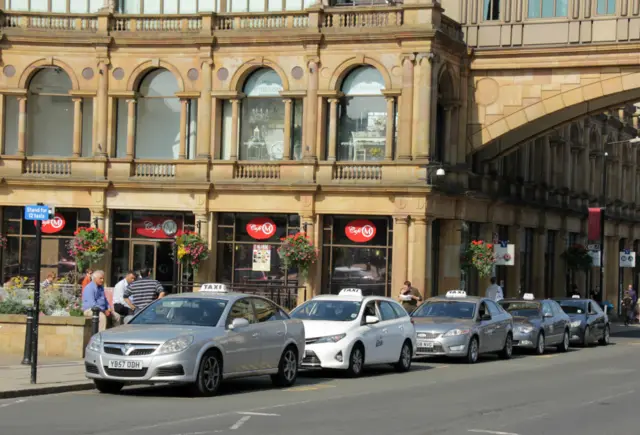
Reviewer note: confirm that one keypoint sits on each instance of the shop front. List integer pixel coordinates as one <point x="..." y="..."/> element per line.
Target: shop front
<point x="356" y="252"/>
<point x="142" y="239"/>
<point x="19" y="258"/>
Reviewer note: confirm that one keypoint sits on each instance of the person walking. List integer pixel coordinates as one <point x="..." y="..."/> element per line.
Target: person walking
<point x="494" y="291"/>
<point x="94" y="297"/>
<point x="144" y="291"/>
<point x="409" y="297"/>
<point x="632" y="307"/>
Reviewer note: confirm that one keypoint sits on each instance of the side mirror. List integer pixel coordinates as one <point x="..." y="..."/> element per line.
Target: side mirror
<point x="547" y="315"/>
<point x="238" y="323"/>
<point x="371" y="320"/>
<point x="127" y="319"/>
<point x="485" y="317"/>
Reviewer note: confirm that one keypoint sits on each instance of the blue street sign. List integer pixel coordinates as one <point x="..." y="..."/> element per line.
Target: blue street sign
<point x="504" y="243"/>
<point x="36" y="212"/>
<point x="627" y="251"/>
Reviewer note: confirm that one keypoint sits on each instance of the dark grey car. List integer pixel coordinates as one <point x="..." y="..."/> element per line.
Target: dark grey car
<point x="538" y="324"/>
<point x="588" y="322"/>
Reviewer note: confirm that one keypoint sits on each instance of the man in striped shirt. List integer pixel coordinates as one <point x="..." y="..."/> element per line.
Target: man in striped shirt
<point x="144" y="291"/>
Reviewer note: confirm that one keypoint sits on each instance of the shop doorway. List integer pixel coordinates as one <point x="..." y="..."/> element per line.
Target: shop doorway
<point x="158" y="255"/>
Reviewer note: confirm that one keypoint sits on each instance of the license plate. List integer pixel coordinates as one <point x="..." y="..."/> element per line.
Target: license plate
<point x="426" y="344"/>
<point x="125" y="365"/>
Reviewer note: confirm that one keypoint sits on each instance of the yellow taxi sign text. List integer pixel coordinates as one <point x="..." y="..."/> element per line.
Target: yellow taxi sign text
<point x="214" y="288"/>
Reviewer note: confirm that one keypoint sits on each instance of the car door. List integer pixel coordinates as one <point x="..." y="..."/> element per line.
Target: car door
<point x="596" y="316"/>
<point x="487" y="341"/>
<point x="242" y="345"/>
<point x="559" y="321"/>
<point x="548" y="326"/>
<point x="371" y="334"/>
<point x="392" y="336"/>
<point x="405" y="326"/>
<point x="272" y="332"/>
<point x="501" y="322"/>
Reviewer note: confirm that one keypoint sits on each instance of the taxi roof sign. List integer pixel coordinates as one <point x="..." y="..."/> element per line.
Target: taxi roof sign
<point x="214" y="287"/>
<point x="350" y="292"/>
<point x="575" y="297"/>
<point x="456" y="294"/>
<point x="528" y="297"/>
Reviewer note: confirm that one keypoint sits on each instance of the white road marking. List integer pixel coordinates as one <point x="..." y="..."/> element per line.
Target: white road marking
<point x="258" y="413"/>
<point x="4" y="405"/>
<point x="603" y="399"/>
<point x="240" y="422"/>
<point x="209" y="432"/>
<point x="491" y="432"/>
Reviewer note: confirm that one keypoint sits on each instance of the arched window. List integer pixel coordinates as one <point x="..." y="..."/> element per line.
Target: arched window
<point x="363" y="116"/>
<point x="50" y="114"/>
<point x="262" y="124"/>
<point x="158" y="117"/>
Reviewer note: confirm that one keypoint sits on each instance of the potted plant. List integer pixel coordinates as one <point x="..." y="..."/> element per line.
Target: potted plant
<point x="191" y="249"/>
<point x="3" y="242"/>
<point x="297" y="251"/>
<point x="481" y="256"/>
<point x="577" y="258"/>
<point x="87" y="247"/>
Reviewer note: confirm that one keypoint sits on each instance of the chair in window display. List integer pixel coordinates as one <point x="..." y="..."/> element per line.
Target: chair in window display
<point x="256" y="146"/>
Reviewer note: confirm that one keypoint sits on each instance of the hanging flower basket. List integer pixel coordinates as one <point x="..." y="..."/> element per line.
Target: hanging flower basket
<point x="3" y="242"/>
<point x="479" y="255"/>
<point x="577" y="258"/>
<point x="191" y="249"/>
<point x="297" y="251"/>
<point x="87" y="247"/>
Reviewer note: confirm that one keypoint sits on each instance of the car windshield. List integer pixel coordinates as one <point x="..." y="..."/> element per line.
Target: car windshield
<point x="335" y="311"/>
<point x="456" y="309"/>
<point x="521" y="309"/>
<point x="182" y="311"/>
<point x="573" y="307"/>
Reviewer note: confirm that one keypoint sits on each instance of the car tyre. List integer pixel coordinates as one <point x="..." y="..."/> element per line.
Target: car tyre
<point x="564" y="345"/>
<point x="586" y="339"/>
<point x="539" y="350"/>
<point x="287" y="368"/>
<point x="108" y="387"/>
<point x="209" y="375"/>
<point x="473" y="351"/>
<point x="606" y="337"/>
<point x="356" y="361"/>
<point x="404" y="362"/>
<point x="507" y="350"/>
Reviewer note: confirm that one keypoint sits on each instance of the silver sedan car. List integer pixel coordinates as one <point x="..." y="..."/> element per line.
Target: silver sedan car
<point x="462" y="326"/>
<point x="197" y="339"/>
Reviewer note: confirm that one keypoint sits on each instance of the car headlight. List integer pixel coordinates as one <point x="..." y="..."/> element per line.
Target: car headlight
<point x="176" y="345"/>
<point x="331" y="338"/>
<point x="576" y="323"/>
<point x="95" y="344"/>
<point x="524" y="329"/>
<point x="456" y="332"/>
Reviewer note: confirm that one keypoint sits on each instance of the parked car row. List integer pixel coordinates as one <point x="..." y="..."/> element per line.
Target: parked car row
<point x="199" y="339"/>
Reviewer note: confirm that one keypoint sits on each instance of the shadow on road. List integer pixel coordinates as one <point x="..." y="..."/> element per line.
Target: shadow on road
<point x="626" y="332"/>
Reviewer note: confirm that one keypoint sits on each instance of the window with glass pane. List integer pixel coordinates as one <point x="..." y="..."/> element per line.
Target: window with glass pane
<point x="491" y="10"/>
<point x="606" y="7"/>
<point x="87" y="127"/>
<point x="262" y="119"/>
<point x="547" y="8"/>
<point x="122" y="112"/>
<point x="58" y="6"/>
<point x="363" y="116"/>
<point x="10" y="125"/>
<point x="226" y="127"/>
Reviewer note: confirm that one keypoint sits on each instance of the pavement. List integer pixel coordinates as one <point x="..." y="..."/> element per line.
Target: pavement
<point x="584" y="391"/>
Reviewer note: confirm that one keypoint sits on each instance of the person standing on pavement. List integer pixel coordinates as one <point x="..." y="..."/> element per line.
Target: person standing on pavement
<point x="494" y="291"/>
<point x="409" y="297"/>
<point x="119" y="305"/>
<point x="94" y="297"/>
<point x="144" y="291"/>
<point x="634" y="301"/>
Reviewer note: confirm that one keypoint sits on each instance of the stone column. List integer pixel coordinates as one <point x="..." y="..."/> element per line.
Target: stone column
<point x="235" y="128"/>
<point x="559" y="278"/>
<point x="418" y="245"/>
<point x="103" y="103"/>
<point x="406" y="108"/>
<point x="592" y="179"/>
<point x="184" y="105"/>
<point x="204" y="113"/>
<point x="450" y="241"/>
<point x="429" y="272"/>
<point x="447" y="133"/>
<point x="205" y="271"/>
<point x="513" y="272"/>
<point x="286" y="147"/>
<point x="400" y="251"/>
<point x="333" y="128"/>
<point x="611" y="268"/>
<point x="309" y="148"/>
<point x="131" y="128"/>
<point x="486" y="234"/>
<point x="22" y="125"/>
<point x="77" y="127"/>
<point x="311" y="283"/>
<point x="423" y="115"/>
<point x="538" y="266"/>
<point x="388" y="144"/>
<point x="547" y="161"/>
<point x="566" y="169"/>
<point x="2" y="127"/>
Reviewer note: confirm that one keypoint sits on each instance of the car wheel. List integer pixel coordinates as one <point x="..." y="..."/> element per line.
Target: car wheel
<point x="472" y="351"/>
<point x="209" y="375"/>
<point x="356" y="361"/>
<point x="564" y="345"/>
<point x="586" y="340"/>
<point x="108" y="387"/>
<point x="540" y="344"/>
<point x="507" y="350"/>
<point x="287" y="369"/>
<point x="606" y="337"/>
<point x="404" y="363"/>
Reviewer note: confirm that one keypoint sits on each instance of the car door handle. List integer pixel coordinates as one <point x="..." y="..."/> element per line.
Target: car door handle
<point x="385" y="330"/>
<point x="280" y="333"/>
<point x="255" y="334"/>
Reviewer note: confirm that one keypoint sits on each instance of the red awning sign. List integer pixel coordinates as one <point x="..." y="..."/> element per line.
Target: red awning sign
<point x="360" y="230"/>
<point x="54" y="225"/>
<point x="261" y="228"/>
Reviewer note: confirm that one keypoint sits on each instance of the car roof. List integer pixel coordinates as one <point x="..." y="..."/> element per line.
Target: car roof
<point x="522" y="300"/>
<point x="225" y="296"/>
<point x="573" y="299"/>
<point x="474" y="299"/>
<point x="352" y="298"/>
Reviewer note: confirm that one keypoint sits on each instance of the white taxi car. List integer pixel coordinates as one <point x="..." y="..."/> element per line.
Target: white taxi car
<point x="349" y="331"/>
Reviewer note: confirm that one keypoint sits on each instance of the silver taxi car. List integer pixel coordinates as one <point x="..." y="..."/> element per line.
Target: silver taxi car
<point x="198" y="339"/>
<point x="464" y="326"/>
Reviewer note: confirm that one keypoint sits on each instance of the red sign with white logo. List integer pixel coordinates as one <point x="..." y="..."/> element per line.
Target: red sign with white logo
<point x="54" y="225"/>
<point x="360" y="231"/>
<point x="156" y="227"/>
<point x="261" y="228"/>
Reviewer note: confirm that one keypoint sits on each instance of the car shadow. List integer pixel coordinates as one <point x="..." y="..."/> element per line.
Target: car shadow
<point x="372" y="371"/>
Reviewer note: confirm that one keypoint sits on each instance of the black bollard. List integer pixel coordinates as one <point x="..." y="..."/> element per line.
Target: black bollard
<point x="27" y="337"/>
<point x="95" y="321"/>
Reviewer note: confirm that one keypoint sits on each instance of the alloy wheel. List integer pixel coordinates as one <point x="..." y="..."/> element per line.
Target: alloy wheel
<point x="356" y="360"/>
<point x="540" y="344"/>
<point x="290" y="365"/>
<point x="211" y="373"/>
<point x="565" y="340"/>
<point x="474" y="350"/>
<point x="509" y="345"/>
<point x="406" y="355"/>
